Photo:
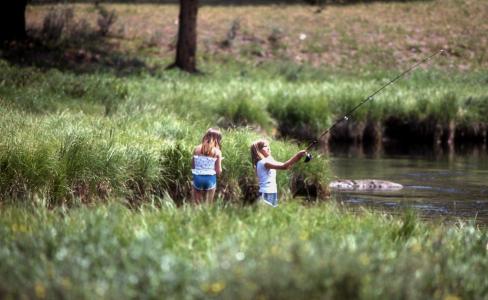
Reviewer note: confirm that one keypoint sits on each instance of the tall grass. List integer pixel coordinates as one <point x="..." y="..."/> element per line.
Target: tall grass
<point x="226" y="251"/>
<point x="70" y="157"/>
<point x="303" y="108"/>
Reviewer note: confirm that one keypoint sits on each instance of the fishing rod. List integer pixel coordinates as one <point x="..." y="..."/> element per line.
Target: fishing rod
<point x="346" y="117"/>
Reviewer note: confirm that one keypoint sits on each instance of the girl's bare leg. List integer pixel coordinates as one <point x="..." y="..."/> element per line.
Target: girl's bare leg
<point x="209" y="196"/>
<point x="196" y="195"/>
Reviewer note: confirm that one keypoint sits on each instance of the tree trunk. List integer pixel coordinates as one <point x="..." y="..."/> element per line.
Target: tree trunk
<point x="186" y="47"/>
<point x="12" y="20"/>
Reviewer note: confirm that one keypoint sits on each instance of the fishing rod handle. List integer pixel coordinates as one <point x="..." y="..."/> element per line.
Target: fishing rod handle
<point x="311" y="145"/>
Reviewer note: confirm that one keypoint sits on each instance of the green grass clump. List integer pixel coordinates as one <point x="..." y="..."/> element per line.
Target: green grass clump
<point x="226" y="251"/>
<point x="301" y="113"/>
<point x="242" y="110"/>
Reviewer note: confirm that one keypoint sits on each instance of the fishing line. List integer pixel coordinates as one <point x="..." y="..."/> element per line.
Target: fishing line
<point x="346" y="117"/>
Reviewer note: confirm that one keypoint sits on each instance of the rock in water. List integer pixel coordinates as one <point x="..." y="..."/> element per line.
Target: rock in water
<point x="364" y="185"/>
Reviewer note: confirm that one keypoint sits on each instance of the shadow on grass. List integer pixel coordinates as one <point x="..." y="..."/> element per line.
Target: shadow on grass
<point x="79" y="55"/>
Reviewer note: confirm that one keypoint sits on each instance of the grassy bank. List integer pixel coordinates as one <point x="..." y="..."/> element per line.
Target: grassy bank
<point x="224" y="252"/>
<point x="92" y="135"/>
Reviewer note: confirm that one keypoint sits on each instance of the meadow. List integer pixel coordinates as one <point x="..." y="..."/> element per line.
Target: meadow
<point x="96" y="138"/>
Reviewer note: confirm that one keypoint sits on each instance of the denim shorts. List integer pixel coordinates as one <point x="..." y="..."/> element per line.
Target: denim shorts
<point x="270" y="198"/>
<point x="204" y="182"/>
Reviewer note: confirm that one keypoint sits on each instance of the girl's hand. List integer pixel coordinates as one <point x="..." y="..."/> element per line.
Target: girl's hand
<point x="301" y="153"/>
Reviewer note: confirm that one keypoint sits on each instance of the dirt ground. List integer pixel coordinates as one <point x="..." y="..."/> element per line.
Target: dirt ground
<point x="361" y="36"/>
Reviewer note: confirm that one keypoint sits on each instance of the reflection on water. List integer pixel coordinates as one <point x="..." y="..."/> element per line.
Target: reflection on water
<point x="450" y="184"/>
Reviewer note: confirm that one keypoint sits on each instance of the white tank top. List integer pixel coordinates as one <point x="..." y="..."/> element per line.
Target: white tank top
<point x="204" y="165"/>
<point x="267" y="177"/>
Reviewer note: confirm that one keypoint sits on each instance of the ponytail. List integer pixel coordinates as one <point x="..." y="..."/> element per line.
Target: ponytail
<point x="256" y="148"/>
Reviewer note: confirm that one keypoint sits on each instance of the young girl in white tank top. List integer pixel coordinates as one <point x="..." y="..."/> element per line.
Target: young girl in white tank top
<point x="266" y="167"/>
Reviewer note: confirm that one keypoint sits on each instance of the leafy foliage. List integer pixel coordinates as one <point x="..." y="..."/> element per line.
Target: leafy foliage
<point x="221" y="251"/>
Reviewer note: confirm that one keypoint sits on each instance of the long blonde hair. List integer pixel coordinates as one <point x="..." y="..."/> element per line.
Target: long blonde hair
<point x="212" y="139"/>
<point x="256" y="154"/>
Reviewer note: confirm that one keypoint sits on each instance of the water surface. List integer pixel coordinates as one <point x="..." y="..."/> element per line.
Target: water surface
<point x="448" y="186"/>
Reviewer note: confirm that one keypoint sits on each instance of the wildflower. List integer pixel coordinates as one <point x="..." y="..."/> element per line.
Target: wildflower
<point x="21" y="228"/>
<point x="214" y="288"/>
<point x="416" y="248"/>
<point x="217" y="287"/>
<point x="240" y="256"/>
<point x="364" y="259"/>
<point x="66" y="283"/>
<point x="40" y="290"/>
<point x="302" y="36"/>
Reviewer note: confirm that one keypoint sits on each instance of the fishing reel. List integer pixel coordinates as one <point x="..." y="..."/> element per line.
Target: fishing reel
<point x="308" y="157"/>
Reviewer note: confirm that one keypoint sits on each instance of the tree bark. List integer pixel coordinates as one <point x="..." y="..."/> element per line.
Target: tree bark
<point x="186" y="47"/>
<point x="12" y="20"/>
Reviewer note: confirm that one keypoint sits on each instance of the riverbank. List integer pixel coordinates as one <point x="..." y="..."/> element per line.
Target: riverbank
<point x="90" y="134"/>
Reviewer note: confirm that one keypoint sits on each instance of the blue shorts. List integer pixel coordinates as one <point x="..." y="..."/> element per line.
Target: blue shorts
<point x="204" y="182"/>
<point x="270" y="198"/>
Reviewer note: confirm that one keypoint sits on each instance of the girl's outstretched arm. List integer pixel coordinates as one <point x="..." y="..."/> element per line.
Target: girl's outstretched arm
<point x="286" y="165"/>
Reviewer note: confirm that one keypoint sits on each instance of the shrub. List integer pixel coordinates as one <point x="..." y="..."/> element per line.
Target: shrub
<point x="56" y="21"/>
<point x="231" y="34"/>
<point x="105" y="20"/>
<point x="275" y="40"/>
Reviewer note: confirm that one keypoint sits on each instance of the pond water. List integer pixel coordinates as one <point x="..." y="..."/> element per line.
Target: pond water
<point x="449" y="185"/>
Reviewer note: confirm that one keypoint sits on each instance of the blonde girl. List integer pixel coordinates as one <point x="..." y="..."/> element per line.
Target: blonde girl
<point x="206" y="166"/>
<point x="266" y="167"/>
